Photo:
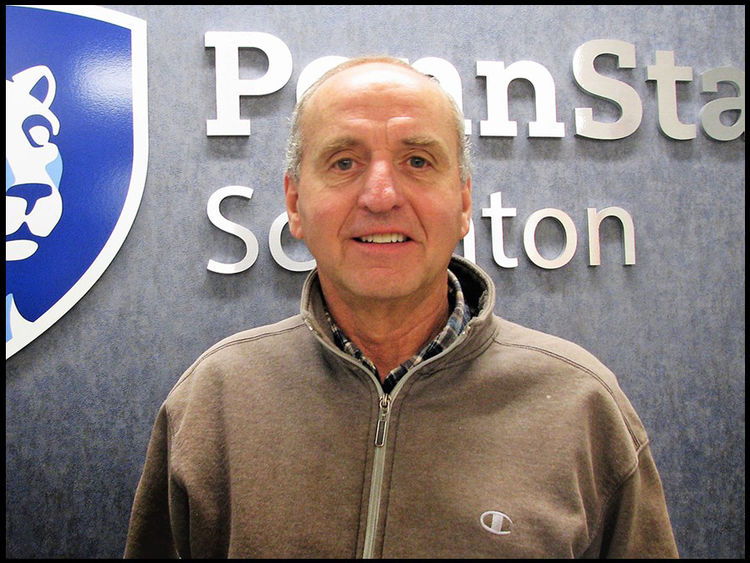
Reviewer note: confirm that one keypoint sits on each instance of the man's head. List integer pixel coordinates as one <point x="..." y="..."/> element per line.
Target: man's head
<point x="377" y="184"/>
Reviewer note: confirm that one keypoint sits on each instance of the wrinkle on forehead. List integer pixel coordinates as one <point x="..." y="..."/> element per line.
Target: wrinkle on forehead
<point x="371" y="84"/>
<point x="382" y="75"/>
<point x="379" y="104"/>
<point x="386" y="136"/>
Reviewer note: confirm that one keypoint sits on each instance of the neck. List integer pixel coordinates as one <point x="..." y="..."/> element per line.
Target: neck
<point x="390" y="332"/>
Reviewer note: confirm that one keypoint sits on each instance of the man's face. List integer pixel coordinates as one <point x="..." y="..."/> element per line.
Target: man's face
<point x="379" y="201"/>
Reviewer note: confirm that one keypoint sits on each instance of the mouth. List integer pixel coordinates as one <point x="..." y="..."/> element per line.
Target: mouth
<point x="383" y="238"/>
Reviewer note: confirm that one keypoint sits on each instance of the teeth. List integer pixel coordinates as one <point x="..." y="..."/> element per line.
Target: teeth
<point x="384" y="238"/>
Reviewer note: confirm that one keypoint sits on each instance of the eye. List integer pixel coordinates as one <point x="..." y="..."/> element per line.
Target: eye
<point x="344" y="164"/>
<point x="417" y="162"/>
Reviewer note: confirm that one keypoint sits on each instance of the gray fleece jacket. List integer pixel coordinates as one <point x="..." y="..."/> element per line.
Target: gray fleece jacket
<point x="510" y="443"/>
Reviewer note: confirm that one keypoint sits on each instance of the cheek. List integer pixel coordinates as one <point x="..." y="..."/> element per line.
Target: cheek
<point x="320" y="216"/>
<point x="445" y="212"/>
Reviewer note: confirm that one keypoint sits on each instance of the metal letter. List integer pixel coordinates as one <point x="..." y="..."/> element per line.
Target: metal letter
<point x="711" y="112"/>
<point x="529" y="238"/>
<point x="218" y="220"/>
<point x="622" y="94"/>
<point x="628" y="233"/>
<point x="498" y="79"/>
<point x="229" y="86"/>
<point x="496" y="213"/>
<point x="667" y="75"/>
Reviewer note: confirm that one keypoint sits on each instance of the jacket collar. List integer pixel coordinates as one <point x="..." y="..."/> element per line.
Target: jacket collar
<point x="477" y="286"/>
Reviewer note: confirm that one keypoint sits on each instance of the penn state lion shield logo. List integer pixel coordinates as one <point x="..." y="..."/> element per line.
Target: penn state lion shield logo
<point x="76" y="138"/>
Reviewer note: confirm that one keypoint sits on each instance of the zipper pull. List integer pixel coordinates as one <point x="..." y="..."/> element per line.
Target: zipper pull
<point x="385" y="406"/>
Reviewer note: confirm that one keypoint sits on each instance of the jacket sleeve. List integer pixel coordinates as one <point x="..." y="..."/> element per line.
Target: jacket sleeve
<point x="150" y="531"/>
<point x="637" y="523"/>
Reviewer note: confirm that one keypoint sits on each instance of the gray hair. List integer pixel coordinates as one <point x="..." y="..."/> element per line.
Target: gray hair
<point x="294" y="146"/>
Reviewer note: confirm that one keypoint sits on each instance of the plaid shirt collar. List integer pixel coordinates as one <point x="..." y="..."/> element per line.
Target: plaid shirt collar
<point x="458" y="319"/>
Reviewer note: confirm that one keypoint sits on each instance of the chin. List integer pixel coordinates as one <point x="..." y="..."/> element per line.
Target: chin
<point x="384" y="286"/>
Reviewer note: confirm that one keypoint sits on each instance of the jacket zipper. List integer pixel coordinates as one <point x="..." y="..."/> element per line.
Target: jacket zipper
<point x="378" y="462"/>
<point x="376" y="481"/>
<point x="384" y="413"/>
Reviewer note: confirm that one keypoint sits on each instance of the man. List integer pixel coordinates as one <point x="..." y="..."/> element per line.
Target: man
<point x="396" y="416"/>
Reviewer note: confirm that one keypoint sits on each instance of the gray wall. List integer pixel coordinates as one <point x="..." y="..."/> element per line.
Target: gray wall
<point x="81" y="399"/>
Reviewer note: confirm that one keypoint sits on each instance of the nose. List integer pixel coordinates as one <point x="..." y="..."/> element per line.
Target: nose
<point x="380" y="192"/>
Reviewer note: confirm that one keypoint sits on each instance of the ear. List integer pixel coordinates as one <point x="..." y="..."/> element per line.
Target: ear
<point x="291" y="195"/>
<point x="466" y="207"/>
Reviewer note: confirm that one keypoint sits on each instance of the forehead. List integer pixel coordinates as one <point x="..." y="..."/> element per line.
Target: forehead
<point x="374" y="95"/>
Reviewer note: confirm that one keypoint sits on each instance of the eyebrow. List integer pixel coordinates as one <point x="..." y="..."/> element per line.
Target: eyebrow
<point x="420" y="141"/>
<point x="346" y="142"/>
<point x="428" y="143"/>
<point x="337" y="144"/>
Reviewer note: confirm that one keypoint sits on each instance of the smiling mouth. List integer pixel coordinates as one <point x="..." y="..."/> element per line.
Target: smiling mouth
<point x="384" y="238"/>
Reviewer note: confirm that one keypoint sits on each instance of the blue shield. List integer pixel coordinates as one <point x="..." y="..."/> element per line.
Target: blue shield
<point x="76" y="155"/>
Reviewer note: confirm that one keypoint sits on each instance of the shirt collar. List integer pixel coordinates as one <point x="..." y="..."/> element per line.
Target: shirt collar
<point x="459" y="318"/>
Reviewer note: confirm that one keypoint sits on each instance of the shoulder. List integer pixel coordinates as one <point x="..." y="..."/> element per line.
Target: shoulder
<point x="268" y="335"/>
<point x="241" y="357"/>
<point x="569" y="369"/>
<point x="529" y="342"/>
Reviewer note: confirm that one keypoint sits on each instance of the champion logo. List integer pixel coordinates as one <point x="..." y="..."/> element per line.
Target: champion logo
<point x="496" y="522"/>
